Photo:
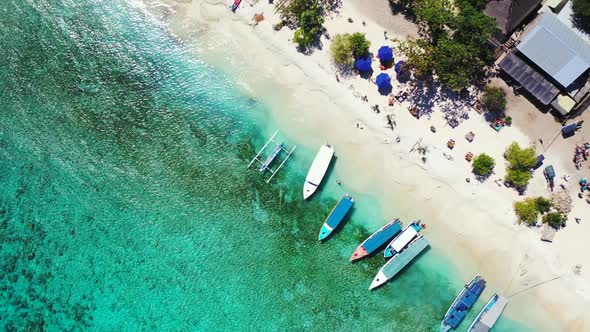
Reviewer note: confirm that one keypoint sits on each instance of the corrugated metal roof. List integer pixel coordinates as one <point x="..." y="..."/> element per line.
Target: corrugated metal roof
<point x="556" y="49"/>
<point x="529" y="78"/>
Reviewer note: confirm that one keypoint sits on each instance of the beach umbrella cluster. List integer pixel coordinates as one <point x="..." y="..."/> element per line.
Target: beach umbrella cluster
<point x="383" y="81"/>
<point x="363" y="64"/>
<point x="385" y="54"/>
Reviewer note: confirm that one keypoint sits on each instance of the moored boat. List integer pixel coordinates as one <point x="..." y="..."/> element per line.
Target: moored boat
<point x="488" y="316"/>
<point x="336" y="215"/>
<point x="318" y="169"/>
<point x="462" y="303"/>
<point x="377" y="239"/>
<point x="271" y="157"/>
<point x="399" y="261"/>
<point x="402" y="240"/>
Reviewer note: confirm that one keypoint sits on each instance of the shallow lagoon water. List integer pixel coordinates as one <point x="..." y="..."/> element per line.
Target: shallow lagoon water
<point x="126" y="203"/>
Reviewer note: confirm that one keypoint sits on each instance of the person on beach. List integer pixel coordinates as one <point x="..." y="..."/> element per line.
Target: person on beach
<point x="337" y="78"/>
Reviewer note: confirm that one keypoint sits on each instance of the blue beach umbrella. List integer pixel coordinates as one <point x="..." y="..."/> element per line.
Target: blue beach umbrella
<point x="363" y="64"/>
<point x="385" y="53"/>
<point x="383" y="81"/>
<point x="398" y="67"/>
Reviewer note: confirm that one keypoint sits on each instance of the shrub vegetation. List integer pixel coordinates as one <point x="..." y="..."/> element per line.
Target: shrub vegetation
<point x="555" y="219"/>
<point x="347" y="47"/>
<point x="520" y="163"/>
<point x="526" y="211"/>
<point x="483" y="165"/>
<point x="494" y="99"/>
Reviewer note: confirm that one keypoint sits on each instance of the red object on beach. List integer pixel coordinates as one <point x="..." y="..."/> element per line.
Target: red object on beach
<point x="235" y="6"/>
<point x="423" y="226"/>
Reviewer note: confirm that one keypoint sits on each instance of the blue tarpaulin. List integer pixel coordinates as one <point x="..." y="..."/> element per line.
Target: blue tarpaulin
<point x="363" y="64"/>
<point x="385" y="53"/>
<point x="383" y="81"/>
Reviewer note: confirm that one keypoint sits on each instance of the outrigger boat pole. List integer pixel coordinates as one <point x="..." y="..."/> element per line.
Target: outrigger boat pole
<point x="265" y="164"/>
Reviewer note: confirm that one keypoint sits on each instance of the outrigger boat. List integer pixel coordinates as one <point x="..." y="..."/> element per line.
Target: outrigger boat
<point x="463" y="302"/>
<point x="377" y="239"/>
<point x="271" y="157"/>
<point x="318" y="169"/>
<point x="488" y="316"/>
<point x="400" y="241"/>
<point x="399" y="261"/>
<point x="336" y="215"/>
<point x="265" y="165"/>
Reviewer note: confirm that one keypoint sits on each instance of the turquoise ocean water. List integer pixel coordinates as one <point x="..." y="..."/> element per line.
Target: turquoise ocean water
<point x="125" y="201"/>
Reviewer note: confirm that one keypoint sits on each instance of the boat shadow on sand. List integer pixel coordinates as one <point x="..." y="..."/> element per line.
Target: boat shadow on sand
<point x="410" y="264"/>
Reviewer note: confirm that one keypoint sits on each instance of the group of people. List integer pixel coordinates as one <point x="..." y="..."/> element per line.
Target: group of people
<point x="581" y="153"/>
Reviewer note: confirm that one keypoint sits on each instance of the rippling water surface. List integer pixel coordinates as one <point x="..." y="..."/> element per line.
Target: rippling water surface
<point x="125" y="202"/>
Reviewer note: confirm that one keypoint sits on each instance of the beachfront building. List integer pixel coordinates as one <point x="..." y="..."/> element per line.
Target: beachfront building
<point x="510" y="15"/>
<point x="551" y="63"/>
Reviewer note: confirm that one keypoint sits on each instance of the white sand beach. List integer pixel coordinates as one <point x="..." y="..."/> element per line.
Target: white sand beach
<point x="312" y="107"/>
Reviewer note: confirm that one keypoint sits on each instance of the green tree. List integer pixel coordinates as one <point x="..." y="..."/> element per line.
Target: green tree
<point x="359" y="44"/>
<point x="518" y="178"/>
<point x="296" y="8"/>
<point x="523" y="159"/>
<point x="520" y="163"/>
<point x="418" y="55"/>
<point x="310" y="22"/>
<point x="483" y="165"/>
<point x="555" y="220"/>
<point x="435" y="16"/>
<point x="543" y="204"/>
<point x="494" y="99"/>
<point x="581" y="14"/>
<point x="456" y="64"/>
<point x="341" y="50"/>
<point x="526" y="211"/>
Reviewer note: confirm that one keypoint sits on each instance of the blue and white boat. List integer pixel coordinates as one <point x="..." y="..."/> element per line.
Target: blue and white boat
<point x="336" y="215"/>
<point x="400" y="260"/>
<point x="377" y="240"/>
<point x="271" y="157"/>
<point x="488" y="316"/>
<point x="463" y="302"/>
<point x="400" y="241"/>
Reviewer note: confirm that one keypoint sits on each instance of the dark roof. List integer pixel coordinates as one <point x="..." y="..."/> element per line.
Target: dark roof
<point x="509" y="14"/>
<point x="530" y="79"/>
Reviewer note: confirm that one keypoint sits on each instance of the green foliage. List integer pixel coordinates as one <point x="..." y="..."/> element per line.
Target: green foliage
<point x="453" y="43"/>
<point x="341" y="50"/>
<point x="519" y="158"/>
<point x="543" y="204"/>
<point x="581" y="14"/>
<point x="434" y="15"/>
<point x="346" y="47"/>
<point x="555" y="220"/>
<point x="307" y="15"/>
<point x="483" y="165"/>
<point x="518" y="178"/>
<point x="296" y="8"/>
<point x="581" y="7"/>
<point x="494" y="99"/>
<point x="359" y="44"/>
<point x="526" y="211"/>
<point x="520" y="163"/>
<point x="310" y="22"/>
<point x="508" y="120"/>
<point x="456" y="64"/>
<point x="418" y="55"/>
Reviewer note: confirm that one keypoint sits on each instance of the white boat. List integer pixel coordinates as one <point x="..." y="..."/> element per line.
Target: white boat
<point x="317" y="170"/>
<point x="488" y="316"/>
